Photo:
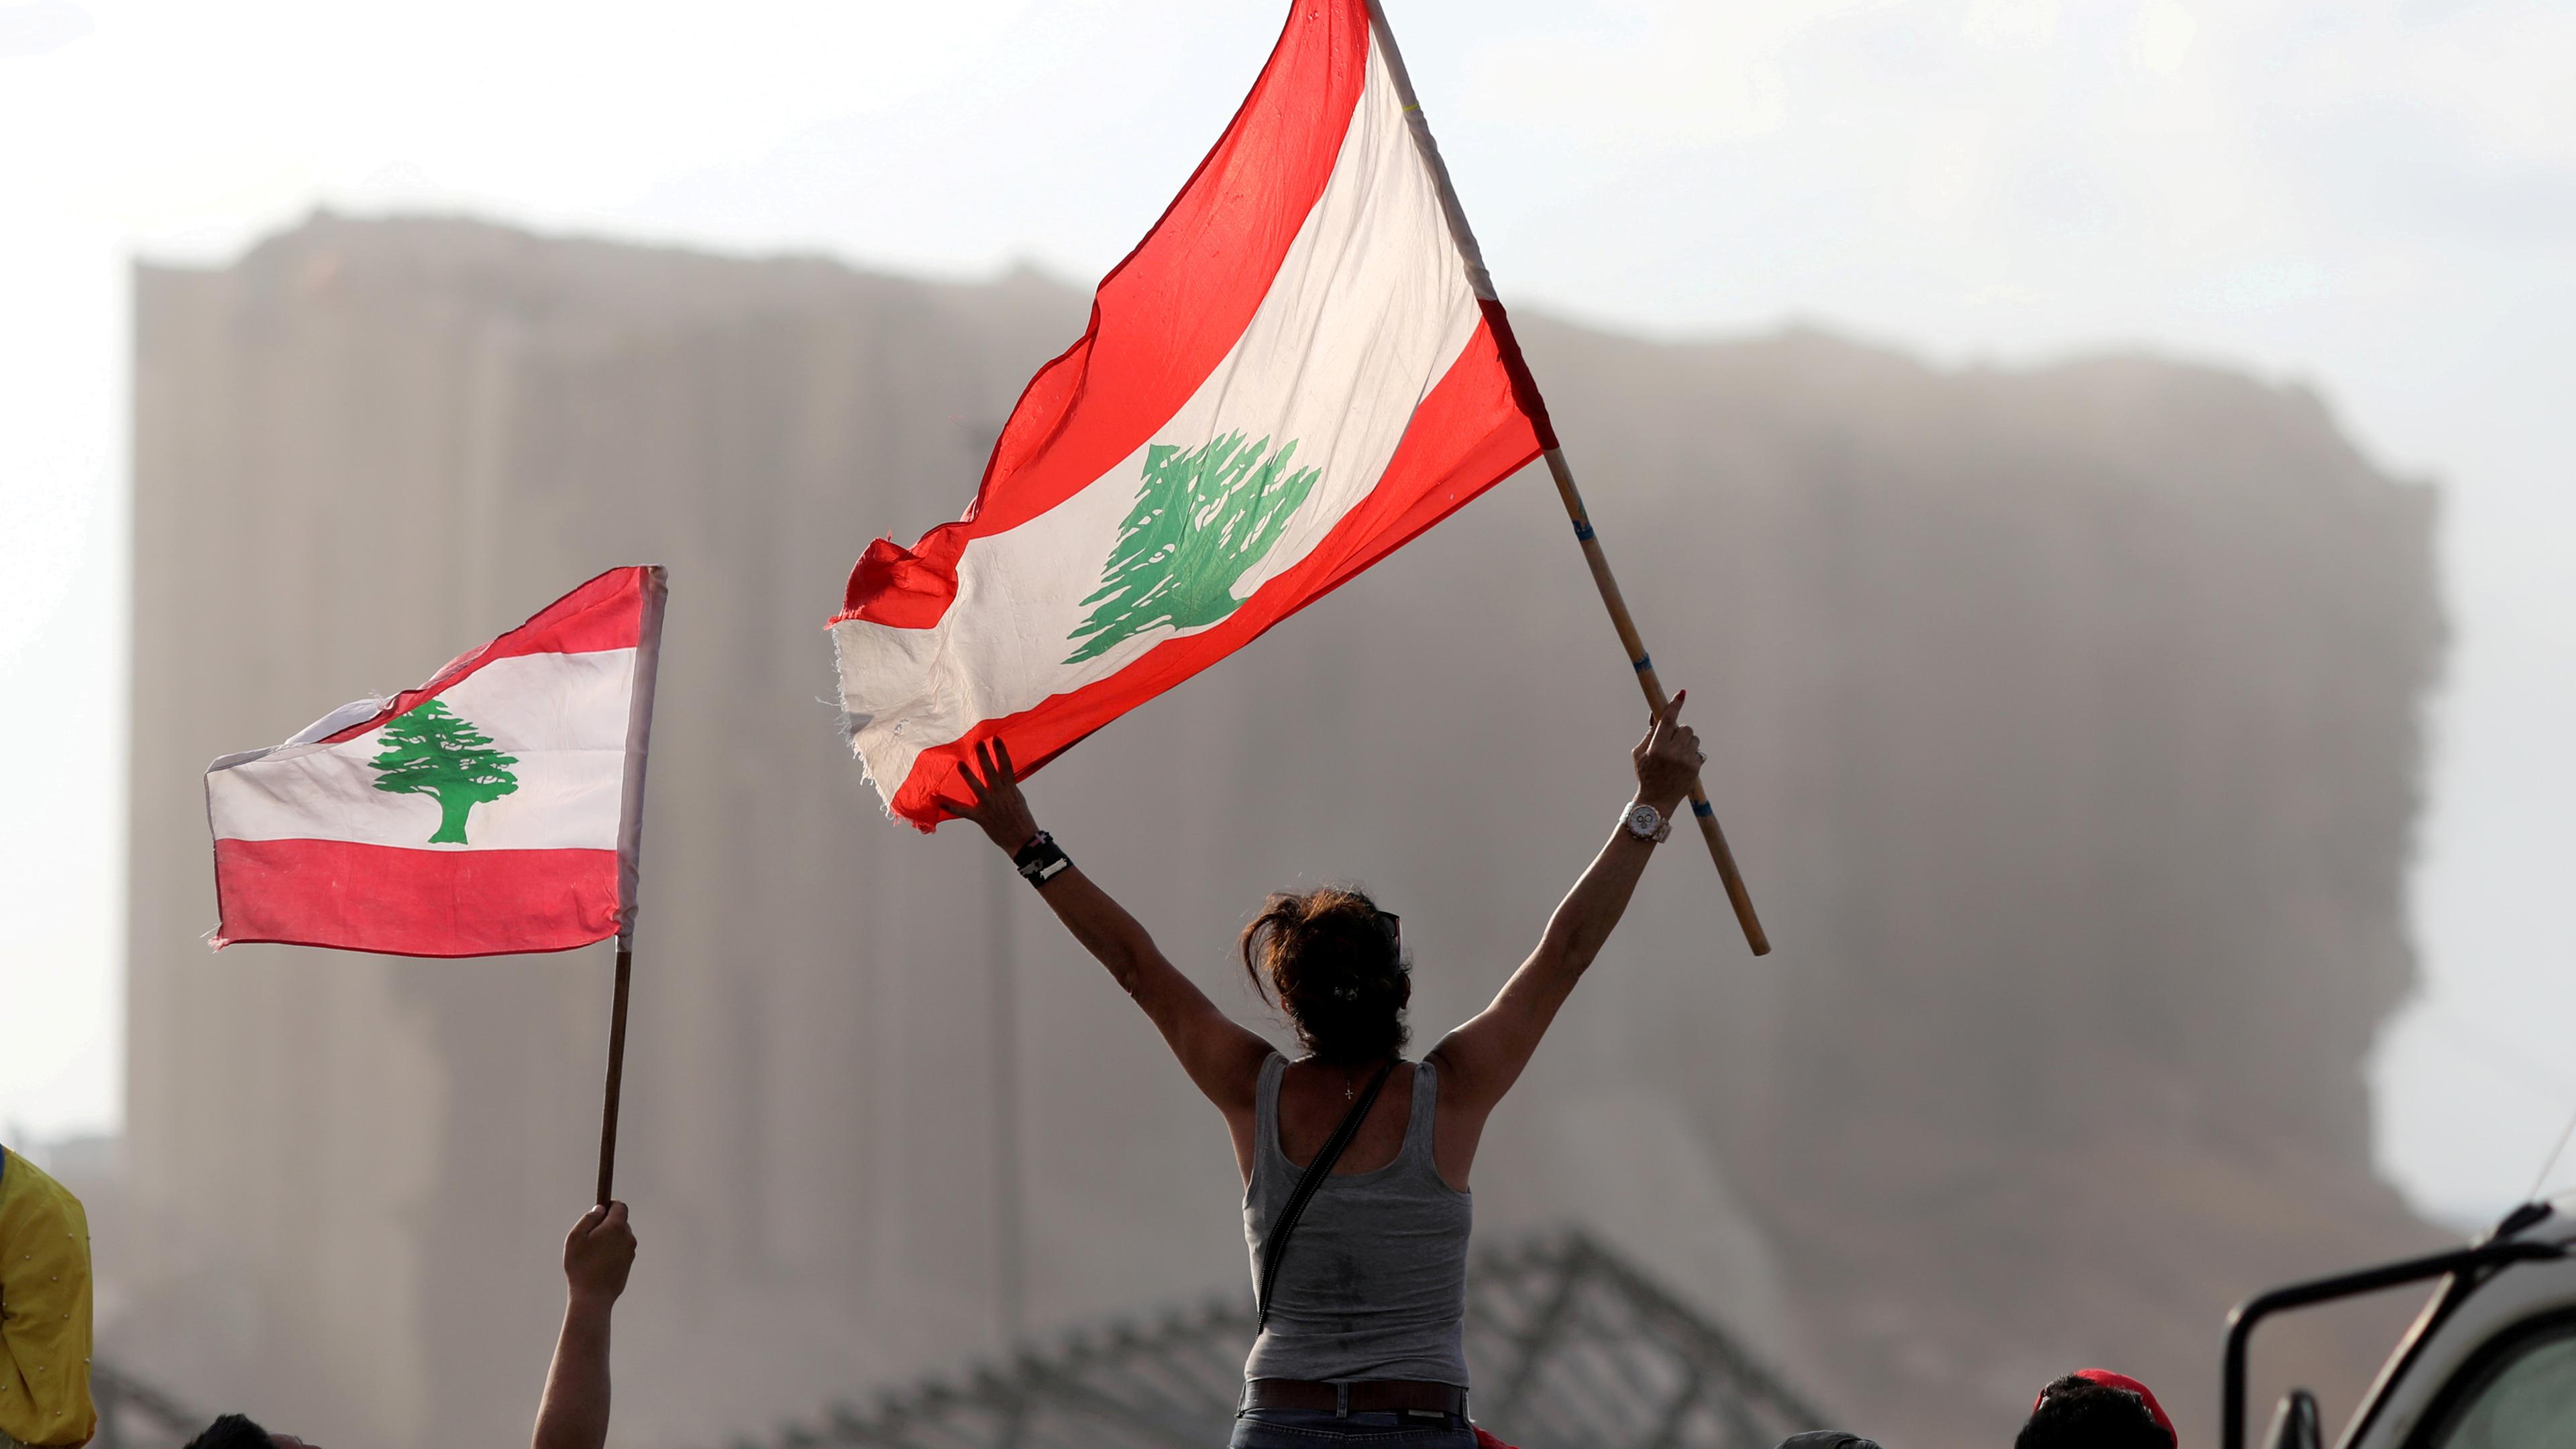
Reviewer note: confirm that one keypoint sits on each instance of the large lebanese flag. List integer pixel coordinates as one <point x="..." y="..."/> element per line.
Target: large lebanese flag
<point x="1300" y="368"/>
<point x="496" y="808"/>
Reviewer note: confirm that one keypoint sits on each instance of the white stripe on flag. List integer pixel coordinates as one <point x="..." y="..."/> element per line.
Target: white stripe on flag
<point x="562" y="716"/>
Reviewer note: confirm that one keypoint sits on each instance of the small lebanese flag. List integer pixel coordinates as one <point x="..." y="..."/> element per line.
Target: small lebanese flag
<point x="496" y="808"/>
<point x="1300" y="368"/>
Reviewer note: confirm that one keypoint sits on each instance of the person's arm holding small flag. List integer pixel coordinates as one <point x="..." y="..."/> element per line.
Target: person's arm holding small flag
<point x="598" y="1254"/>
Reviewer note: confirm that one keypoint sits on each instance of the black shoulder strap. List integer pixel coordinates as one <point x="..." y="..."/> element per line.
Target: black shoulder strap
<point x="1275" y="1241"/>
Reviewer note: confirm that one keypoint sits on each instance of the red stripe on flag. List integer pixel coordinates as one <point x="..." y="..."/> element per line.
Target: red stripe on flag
<point x="1524" y="386"/>
<point x="1161" y="320"/>
<point x="605" y="613"/>
<point x="401" y="902"/>
<point x="1467" y="434"/>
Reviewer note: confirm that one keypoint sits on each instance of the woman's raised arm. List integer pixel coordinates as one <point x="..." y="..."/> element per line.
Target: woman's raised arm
<point x="1483" y="1057"/>
<point x="1222" y="1056"/>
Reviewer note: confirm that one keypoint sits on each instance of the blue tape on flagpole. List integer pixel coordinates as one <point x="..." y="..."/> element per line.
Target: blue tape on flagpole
<point x="1703" y="809"/>
<point x="1582" y="531"/>
<point x="1645" y="662"/>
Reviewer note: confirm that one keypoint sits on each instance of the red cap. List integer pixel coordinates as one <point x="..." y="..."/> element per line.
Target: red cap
<point x="2111" y="1380"/>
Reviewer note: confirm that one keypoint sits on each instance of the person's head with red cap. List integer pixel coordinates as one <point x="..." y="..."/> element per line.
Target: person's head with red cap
<point x="2097" y="1409"/>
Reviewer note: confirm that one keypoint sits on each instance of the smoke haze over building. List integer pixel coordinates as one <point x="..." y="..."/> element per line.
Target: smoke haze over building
<point x="2371" y="200"/>
<point x="2067" y="721"/>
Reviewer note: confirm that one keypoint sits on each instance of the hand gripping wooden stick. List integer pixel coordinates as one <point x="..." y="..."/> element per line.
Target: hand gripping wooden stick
<point x="1526" y="391"/>
<point x="1644" y="663"/>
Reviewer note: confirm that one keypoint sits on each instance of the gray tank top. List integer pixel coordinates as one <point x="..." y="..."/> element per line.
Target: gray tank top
<point x="1374" y="1285"/>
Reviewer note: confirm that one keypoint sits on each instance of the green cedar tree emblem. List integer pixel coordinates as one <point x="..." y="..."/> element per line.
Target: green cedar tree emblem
<point x="429" y="751"/>
<point x="1202" y="519"/>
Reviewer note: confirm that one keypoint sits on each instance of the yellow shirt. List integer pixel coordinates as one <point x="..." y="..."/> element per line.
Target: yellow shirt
<point x="44" y="1310"/>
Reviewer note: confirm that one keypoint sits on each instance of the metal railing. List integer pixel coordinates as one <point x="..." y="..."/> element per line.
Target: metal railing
<point x="1571" y="1346"/>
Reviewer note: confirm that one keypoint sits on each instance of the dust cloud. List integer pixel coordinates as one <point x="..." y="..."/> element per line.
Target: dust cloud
<point x="2067" y="723"/>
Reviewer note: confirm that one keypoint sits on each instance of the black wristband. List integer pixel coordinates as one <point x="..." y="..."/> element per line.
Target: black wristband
<point x="1041" y="860"/>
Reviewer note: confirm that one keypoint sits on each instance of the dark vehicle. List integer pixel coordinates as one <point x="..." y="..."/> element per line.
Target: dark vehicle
<point x="2489" y="1364"/>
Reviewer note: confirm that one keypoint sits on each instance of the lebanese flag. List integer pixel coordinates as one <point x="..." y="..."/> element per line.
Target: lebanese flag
<point x="1301" y="367"/>
<point x="495" y="809"/>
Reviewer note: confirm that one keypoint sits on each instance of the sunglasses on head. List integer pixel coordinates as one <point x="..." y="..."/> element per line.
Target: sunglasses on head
<point x="1393" y="925"/>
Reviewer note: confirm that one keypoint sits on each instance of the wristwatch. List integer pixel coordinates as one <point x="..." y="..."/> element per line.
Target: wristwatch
<point x="1647" y="823"/>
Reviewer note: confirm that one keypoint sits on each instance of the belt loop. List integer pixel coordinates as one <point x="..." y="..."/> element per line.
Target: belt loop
<point x="1341" y="1399"/>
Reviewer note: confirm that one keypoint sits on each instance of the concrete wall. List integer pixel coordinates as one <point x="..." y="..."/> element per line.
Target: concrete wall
<point x="2066" y="723"/>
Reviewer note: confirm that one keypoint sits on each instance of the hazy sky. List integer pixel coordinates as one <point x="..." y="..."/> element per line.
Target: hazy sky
<point x="2376" y="197"/>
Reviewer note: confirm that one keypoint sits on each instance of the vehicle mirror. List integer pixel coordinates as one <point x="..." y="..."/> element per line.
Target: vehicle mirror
<point x="2294" y="1423"/>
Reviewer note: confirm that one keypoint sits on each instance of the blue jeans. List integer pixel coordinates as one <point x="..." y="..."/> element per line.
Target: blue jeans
<point x="1323" y="1429"/>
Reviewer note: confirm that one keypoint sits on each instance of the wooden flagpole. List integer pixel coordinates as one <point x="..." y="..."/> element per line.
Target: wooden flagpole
<point x="616" y="1070"/>
<point x="1644" y="664"/>
<point x="630" y="849"/>
<point x="1536" y="407"/>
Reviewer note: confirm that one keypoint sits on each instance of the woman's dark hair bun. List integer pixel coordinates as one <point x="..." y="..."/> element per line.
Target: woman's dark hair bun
<point x="1332" y="961"/>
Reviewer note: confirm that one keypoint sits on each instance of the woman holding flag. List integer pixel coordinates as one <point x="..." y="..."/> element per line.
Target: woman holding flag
<point x="1363" y="1313"/>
